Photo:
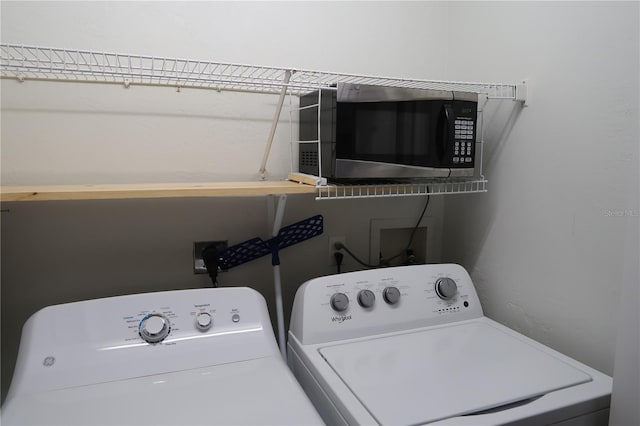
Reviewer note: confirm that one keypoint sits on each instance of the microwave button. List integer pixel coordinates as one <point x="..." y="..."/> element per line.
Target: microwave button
<point x="456" y="152"/>
<point x="456" y="144"/>
<point x="467" y="159"/>
<point x="456" y="160"/>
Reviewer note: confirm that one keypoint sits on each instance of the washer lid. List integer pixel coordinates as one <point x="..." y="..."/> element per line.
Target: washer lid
<point x="444" y="372"/>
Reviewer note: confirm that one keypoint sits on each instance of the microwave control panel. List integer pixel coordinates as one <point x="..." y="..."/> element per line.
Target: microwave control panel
<point x="463" y="149"/>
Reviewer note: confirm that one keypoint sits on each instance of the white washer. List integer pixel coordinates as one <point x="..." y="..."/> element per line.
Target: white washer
<point x="410" y="345"/>
<point x="203" y="356"/>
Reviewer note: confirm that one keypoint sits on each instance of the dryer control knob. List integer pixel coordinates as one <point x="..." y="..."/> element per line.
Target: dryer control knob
<point x="366" y="298"/>
<point x="446" y="288"/>
<point x="204" y="321"/>
<point x="154" y="328"/>
<point x="391" y="295"/>
<point x="339" y="302"/>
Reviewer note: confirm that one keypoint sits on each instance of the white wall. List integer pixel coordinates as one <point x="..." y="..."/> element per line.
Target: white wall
<point x="546" y="244"/>
<point x="141" y="134"/>
<point x="55" y="252"/>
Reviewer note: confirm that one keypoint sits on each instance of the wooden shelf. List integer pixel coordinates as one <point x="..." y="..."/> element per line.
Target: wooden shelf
<point x="154" y="190"/>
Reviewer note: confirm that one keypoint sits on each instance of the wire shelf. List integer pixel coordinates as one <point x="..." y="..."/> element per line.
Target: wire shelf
<point x="47" y="63"/>
<point x="333" y="192"/>
<point x="25" y="62"/>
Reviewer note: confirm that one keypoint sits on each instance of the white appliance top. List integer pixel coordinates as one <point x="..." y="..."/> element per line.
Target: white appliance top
<point x="256" y="392"/>
<point x="429" y="375"/>
<point x="177" y="357"/>
<point x="411" y="345"/>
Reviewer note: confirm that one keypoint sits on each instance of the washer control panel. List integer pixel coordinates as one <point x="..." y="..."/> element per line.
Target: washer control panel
<point x="363" y="303"/>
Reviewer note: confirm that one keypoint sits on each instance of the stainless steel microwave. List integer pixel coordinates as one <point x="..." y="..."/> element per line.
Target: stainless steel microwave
<point x="387" y="133"/>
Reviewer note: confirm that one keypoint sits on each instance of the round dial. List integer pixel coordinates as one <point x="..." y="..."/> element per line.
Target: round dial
<point x="204" y="321"/>
<point x="154" y="328"/>
<point x="391" y="295"/>
<point x="339" y="302"/>
<point x="446" y="288"/>
<point x="366" y="298"/>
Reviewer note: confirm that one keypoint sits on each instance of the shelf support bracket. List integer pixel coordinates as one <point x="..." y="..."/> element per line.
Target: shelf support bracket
<point x="274" y="124"/>
<point x="521" y="93"/>
<point x="275" y="215"/>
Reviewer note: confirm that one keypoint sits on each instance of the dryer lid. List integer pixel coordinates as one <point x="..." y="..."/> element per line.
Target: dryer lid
<point x="430" y="375"/>
<point x="251" y="392"/>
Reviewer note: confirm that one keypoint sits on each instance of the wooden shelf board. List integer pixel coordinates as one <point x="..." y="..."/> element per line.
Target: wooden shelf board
<point x="153" y="190"/>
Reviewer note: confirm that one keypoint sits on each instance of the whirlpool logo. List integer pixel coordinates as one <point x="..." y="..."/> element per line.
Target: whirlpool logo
<point x="340" y="318"/>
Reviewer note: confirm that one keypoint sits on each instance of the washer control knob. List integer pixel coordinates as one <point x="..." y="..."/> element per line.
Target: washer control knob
<point x="154" y="328"/>
<point x="339" y="302"/>
<point x="391" y="295"/>
<point x="446" y="288"/>
<point x="366" y="298"/>
<point x="204" y="321"/>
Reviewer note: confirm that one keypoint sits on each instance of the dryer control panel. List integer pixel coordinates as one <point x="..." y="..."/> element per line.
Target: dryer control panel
<point x="376" y="301"/>
<point x="138" y="335"/>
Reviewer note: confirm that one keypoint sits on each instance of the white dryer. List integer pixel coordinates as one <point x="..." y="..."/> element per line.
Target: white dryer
<point x="410" y="346"/>
<point x="202" y="356"/>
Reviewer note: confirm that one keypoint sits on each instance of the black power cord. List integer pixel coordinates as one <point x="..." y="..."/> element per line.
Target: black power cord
<point x="210" y="259"/>
<point x="338" y="256"/>
<point x="385" y="262"/>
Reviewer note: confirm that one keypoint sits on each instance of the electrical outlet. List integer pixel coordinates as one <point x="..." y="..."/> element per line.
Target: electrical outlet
<point x="198" y="247"/>
<point x="332" y="249"/>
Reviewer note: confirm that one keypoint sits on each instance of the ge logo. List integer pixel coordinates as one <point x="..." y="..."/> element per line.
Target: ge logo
<point x="49" y="361"/>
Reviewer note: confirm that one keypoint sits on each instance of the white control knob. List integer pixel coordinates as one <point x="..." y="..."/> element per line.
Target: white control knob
<point x="154" y="328"/>
<point x="339" y="302"/>
<point x="391" y="295"/>
<point x="204" y="321"/>
<point x="446" y="288"/>
<point x="366" y="298"/>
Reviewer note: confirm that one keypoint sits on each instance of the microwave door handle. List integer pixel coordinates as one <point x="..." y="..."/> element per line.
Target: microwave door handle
<point x="445" y="130"/>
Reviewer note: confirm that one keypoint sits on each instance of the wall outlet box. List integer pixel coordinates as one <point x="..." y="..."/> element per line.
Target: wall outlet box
<point x="391" y="235"/>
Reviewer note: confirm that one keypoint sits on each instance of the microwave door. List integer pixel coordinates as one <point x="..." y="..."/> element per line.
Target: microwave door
<point x="399" y="139"/>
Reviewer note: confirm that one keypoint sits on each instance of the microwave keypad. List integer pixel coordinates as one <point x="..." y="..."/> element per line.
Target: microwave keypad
<point x="463" y="141"/>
